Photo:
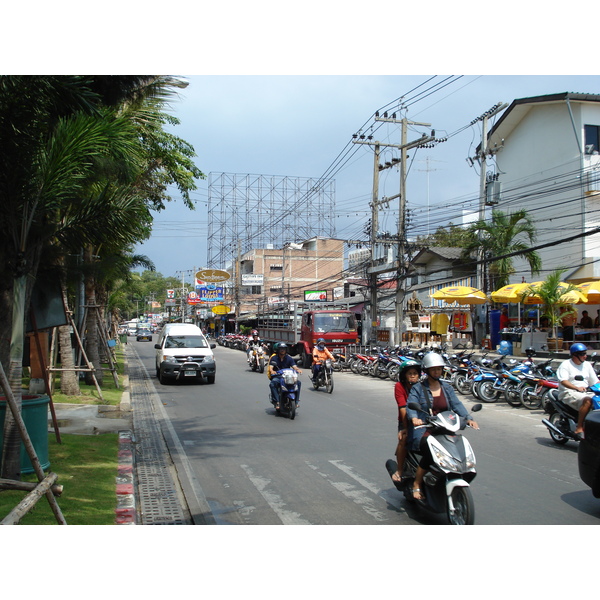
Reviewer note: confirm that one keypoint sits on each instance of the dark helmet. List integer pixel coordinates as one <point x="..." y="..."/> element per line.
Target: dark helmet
<point x="577" y="348"/>
<point x="405" y="366"/>
<point x="282" y="346"/>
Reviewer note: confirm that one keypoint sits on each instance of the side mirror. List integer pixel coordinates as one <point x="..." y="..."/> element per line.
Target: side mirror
<point x="157" y="346"/>
<point x="476" y="407"/>
<point x="211" y="345"/>
<point x="414" y="406"/>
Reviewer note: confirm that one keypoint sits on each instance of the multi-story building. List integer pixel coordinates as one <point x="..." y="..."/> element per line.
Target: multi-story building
<point x="548" y="163"/>
<point x="278" y="275"/>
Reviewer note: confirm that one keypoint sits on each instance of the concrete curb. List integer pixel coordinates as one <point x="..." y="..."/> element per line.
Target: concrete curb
<point x="126" y="511"/>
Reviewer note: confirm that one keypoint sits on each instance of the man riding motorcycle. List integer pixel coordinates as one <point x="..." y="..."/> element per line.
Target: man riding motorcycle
<point x="254" y="340"/>
<point x="280" y="360"/>
<point x="572" y="391"/>
<point x="319" y="355"/>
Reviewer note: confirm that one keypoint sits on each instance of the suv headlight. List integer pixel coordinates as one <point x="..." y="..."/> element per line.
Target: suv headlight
<point x="169" y="359"/>
<point x="208" y="359"/>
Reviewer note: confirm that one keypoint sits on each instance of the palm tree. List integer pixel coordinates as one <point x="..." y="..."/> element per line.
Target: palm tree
<point x="504" y="234"/>
<point x="56" y="139"/>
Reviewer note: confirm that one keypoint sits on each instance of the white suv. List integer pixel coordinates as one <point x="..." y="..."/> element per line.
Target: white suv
<point x="182" y="352"/>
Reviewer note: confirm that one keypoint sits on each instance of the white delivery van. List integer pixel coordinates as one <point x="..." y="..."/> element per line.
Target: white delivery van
<point x="182" y="352"/>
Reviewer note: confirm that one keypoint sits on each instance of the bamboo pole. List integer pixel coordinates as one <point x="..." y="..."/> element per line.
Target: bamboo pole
<point x="35" y="462"/>
<point x="17" y="513"/>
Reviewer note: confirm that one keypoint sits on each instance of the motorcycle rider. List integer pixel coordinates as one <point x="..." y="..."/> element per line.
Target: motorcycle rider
<point x="278" y="361"/>
<point x="408" y="375"/>
<point x="319" y="354"/>
<point x="253" y="340"/>
<point x="434" y="396"/>
<point x="571" y="391"/>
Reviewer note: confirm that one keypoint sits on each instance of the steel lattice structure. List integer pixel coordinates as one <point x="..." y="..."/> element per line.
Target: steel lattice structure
<point x="258" y="210"/>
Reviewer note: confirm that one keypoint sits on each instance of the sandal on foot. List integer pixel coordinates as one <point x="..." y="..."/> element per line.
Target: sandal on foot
<point x="417" y="491"/>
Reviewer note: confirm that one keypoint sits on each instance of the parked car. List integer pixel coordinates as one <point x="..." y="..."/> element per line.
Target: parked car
<point x="588" y="454"/>
<point x="183" y="352"/>
<point x="142" y="333"/>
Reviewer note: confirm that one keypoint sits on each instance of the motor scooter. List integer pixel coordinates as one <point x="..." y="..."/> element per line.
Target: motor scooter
<point x="288" y="393"/>
<point x="563" y="417"/>
<point x="446" y="483"/>
<point x="324" y="376"/>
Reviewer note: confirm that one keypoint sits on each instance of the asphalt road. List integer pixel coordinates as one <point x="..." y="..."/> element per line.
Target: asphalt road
<point x="328" y="465"/>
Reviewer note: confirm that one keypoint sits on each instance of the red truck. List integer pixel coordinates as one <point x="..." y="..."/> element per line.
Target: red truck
<point x="302" y="326"/>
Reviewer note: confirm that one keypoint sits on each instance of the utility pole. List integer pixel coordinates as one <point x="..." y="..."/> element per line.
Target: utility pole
<point x="481" y="157"/>
<point x="373" y="270"/>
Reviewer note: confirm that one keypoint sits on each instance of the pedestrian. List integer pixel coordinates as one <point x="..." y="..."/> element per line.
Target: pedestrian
<point x="568" y="318"/>
<point x="585" y="324"/>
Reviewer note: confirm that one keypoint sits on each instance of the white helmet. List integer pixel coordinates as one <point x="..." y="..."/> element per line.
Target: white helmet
<point x="432" y="359"/>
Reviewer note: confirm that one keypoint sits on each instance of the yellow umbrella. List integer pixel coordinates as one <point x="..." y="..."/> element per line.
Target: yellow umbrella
<point x="461" y="294"/>
<point x="591" y="291"/>
<point x="509" y="293"/>
<point x="572" y="297"/>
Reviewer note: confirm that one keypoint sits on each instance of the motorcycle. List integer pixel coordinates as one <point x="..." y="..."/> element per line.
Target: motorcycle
<point x="288" y="393"/>
<point x="563" y="417"/>
<point x="446" y="484"/>
<point x="324" y="377"/>
<point x="258" y="358"/>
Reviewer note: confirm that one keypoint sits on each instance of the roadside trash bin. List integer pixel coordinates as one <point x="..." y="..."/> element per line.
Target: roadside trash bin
<point x="35" y="415"/>
<point x="123" y="338"/>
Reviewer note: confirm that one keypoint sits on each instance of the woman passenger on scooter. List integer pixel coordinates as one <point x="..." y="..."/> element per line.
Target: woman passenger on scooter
<point x="434" y="396"/>
<point x="408" y="375"/>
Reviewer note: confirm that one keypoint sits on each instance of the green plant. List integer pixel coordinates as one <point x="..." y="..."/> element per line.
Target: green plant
<point x="554" y="294"/>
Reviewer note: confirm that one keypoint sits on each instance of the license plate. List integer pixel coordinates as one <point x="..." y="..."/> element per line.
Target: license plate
<point x="189" y="373"/>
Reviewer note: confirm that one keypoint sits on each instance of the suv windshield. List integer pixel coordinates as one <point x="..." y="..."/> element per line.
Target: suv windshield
<point x="185" y="341"/>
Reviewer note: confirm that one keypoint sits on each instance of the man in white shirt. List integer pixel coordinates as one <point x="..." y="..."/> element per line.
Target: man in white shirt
<point x="572" y="391"/>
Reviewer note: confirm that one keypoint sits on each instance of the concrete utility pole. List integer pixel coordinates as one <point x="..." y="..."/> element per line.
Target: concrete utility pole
<point x="374" y="271"/>
<point x="481" y="157"/>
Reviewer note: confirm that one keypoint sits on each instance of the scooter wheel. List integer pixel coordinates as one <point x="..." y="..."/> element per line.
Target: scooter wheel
<point x="558" y="422"/>
<point x="464" y="507"/>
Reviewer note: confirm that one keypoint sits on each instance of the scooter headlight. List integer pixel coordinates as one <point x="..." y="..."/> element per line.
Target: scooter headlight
<point x="470" y="456"/>
<point x="446" y="461"/>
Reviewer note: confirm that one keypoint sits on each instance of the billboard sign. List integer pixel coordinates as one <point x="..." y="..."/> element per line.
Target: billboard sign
<point x="213" y="275"/>
<point x="210" y="294"/>
<point x="315" y="296"/>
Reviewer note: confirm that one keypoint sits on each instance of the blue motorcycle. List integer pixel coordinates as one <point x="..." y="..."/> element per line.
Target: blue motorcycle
<point x="288" y="393"/>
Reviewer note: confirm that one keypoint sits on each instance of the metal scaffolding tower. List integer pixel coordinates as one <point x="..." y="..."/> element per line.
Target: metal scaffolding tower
<point x="258" y="210"/>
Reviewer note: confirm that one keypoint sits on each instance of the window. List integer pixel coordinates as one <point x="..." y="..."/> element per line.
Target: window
<point x="592" y="139"/>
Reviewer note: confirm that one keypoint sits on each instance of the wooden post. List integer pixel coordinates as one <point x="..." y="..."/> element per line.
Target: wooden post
<point x="35" y="462"/>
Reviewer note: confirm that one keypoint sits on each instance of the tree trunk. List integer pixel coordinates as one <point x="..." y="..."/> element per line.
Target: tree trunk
<point x="11" y="449"/>
<point x="91" y="326"/>
<point x="69" y="380"/>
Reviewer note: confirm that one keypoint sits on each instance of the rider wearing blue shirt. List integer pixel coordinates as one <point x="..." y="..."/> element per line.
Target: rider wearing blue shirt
<point x="281" y="360"/>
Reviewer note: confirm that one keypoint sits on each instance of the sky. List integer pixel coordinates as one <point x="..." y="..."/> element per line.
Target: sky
<point x="298" y="125"/>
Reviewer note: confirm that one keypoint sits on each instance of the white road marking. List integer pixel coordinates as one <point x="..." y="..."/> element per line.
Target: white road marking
<point x="287" y="517"/>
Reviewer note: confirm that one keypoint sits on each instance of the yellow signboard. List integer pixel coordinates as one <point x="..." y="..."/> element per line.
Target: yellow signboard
<point x="213" y="275"/>
<point x="220" y="309"/>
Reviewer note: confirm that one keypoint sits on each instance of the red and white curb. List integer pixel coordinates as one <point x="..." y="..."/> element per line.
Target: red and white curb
<point x="126" y="511"/>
